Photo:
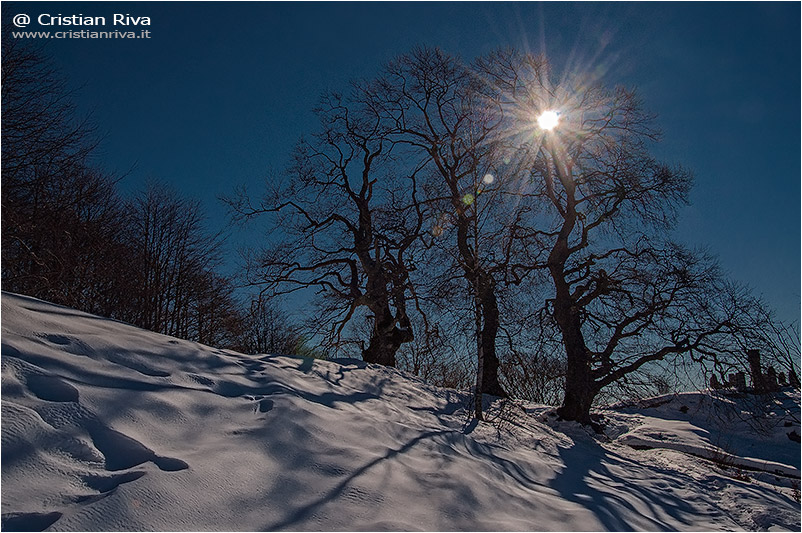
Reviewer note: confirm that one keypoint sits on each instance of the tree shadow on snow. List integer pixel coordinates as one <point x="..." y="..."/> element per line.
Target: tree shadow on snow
<point x="296" y="518"/>
<point x="616" y="498"/>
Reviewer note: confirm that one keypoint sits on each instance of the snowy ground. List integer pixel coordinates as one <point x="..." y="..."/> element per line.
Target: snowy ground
<point x="108" y="427"/>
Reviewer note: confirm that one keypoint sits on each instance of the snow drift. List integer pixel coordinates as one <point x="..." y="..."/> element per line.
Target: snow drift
<point x="109" y="427"/>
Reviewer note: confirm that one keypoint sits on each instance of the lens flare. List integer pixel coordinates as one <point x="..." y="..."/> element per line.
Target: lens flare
<point x="468" y="199"/>
<point x="488" y="179"/>
<point x="548" y="120"/>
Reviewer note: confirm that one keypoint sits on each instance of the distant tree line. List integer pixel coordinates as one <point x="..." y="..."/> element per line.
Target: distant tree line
<point x="434" y="217"/>
<point x="69" y="237"/>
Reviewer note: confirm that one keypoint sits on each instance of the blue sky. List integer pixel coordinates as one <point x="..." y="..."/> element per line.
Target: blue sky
<point x="221" y="91"/>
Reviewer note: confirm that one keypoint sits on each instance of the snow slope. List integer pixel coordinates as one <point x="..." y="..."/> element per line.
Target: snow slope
<point x="109" y="427"/>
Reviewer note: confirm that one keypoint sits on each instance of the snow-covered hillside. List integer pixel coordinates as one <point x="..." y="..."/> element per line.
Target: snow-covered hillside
<point x="109" y="427"/>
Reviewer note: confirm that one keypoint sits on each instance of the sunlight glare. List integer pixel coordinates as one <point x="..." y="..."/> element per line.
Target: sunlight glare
<point x="548" y="120"/>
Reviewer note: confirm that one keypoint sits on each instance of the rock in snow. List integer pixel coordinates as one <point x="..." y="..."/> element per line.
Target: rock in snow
<point x="109" y="427"/>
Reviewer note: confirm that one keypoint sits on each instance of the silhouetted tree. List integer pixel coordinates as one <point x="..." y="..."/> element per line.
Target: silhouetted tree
<point x="42" y="134"/>
<point x="623" y="295"/>
<point x="68" y="237"/>
<point x="433" y="105"/>
<point x="61" y="219"/>
<point x="214" y="316"/>
<point x="443" y="164"/>
<point x="174" y="258"/>
<point x="344" y="222"/>
<point x="440" y="354"/>
<point x="265" y="329"/>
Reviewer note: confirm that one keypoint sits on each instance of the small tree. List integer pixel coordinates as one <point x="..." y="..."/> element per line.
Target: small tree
<point x="265" y="329"/>
<point x="756" y="328"/>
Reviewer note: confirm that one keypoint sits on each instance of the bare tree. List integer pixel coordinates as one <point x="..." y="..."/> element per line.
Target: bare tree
<point x="440" y="353"/>
<point x="174" y="258"/>
<point x="213" y="314"/>
<point x="265" y="329"/>
<point x="623" y="295"/>
<point x="781" y="342"/>
<point x="42" y="134"/>
<point x="61" y="219"/>
<point x="434" y="106"/>
<point x="777" y="343"/>
<point x="532" y="359"/>
<point x="68" y="237"/>
<point x="441" y="163"/>
<point x="345" y="223"/>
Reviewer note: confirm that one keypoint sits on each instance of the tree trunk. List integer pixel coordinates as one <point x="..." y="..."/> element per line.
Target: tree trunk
<point x="380" y="351"/>
<point x="477" y="405"/>
<point x="580" y="387"/>
<point x="386" y="338"/>
<point x="490" y="381"/>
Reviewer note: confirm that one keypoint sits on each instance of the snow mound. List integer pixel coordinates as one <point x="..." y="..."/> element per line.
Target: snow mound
<point x="754" y="432"/>
<point x="109" y="427"/>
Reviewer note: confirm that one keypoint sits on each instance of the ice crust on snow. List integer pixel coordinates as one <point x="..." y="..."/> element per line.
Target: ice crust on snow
<point x="109" y="427"/>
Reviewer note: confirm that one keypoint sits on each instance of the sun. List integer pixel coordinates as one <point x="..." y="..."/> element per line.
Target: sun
<point x="548" y="120"/>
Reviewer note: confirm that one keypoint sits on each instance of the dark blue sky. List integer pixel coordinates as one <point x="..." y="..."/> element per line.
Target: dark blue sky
<point x="221" y="92"/>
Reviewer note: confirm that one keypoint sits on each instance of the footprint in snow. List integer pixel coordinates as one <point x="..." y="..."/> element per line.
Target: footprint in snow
<point x="122" y="452"/>
<point x="203" y="380"/>
<point x="105" y="485"/>
<point x="51" y="388"/>
<point x="68" y="344"/>
<point x="138" y="366"/>
<point x="109" y="483"/>
<point x="252" y="367"/>
<point x="262" y="404"/>
<point x="28" y="521"/>
<point x="61" y="340"/>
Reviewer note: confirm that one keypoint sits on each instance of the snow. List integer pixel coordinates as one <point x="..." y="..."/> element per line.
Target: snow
<point x="109" y="427"/>
<point x="728" y="427"/>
